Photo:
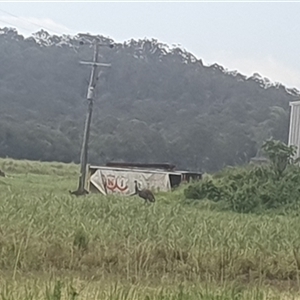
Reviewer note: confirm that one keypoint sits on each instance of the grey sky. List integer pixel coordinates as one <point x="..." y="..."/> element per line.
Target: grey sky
<point x="245" y="36"/>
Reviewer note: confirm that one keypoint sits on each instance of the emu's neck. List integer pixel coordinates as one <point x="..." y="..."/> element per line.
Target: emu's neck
<point x="136" y="188"/>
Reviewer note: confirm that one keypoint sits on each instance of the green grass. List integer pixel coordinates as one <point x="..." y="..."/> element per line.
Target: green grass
<point x="119" y="248"/>
<point x="77" y="289"/>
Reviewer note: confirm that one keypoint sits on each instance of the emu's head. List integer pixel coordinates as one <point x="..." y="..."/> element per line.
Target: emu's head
<point x="136" y="185"/>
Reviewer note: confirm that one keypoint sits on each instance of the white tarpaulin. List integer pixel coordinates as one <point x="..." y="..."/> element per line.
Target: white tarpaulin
<point x="110" y="181"/>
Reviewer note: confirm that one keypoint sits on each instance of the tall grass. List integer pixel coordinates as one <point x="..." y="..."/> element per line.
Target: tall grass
<point x="147" y="250"/>
<point x="76" y="289"/>
<point x="36" y="167"/>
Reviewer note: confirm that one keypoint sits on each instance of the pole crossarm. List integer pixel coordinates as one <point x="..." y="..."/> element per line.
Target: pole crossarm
<point x="94" y="64"/>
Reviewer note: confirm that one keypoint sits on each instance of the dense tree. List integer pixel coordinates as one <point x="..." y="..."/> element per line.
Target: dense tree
<point x="155" y="104"/>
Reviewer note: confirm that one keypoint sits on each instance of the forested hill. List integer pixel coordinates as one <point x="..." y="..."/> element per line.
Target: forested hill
<point x="154" y="104"/>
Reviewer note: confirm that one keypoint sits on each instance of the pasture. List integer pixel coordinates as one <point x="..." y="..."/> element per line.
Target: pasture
<point x="57" y="246"/>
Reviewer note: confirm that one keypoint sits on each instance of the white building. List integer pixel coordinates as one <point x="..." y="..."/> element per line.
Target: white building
<point x="294" y="131"/>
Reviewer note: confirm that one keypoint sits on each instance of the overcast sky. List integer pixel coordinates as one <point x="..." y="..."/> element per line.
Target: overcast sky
<point x="251" y="37"/>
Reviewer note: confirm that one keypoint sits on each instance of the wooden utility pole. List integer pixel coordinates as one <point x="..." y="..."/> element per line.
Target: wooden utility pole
<point x="90" y="98"/>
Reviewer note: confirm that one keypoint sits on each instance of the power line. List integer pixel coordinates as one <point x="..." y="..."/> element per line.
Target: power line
<point x="20" y="18"/>
<point x="5" y="23"/>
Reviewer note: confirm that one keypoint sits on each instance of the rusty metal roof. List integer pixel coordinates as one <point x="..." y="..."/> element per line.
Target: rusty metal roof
<point x="157" y="166"/>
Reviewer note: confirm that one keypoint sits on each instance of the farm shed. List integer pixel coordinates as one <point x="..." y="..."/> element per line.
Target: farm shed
<point x="118" y="178"/>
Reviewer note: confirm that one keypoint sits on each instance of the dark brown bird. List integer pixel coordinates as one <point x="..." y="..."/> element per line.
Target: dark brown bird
<point x="78" y="193"/>
<point x="146" y="194"/>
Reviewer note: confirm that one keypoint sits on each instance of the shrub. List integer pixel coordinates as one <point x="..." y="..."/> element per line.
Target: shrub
<point x="254" y="188"/>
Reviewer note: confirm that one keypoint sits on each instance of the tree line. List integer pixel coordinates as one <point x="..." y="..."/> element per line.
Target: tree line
<point x="154" y="104"/>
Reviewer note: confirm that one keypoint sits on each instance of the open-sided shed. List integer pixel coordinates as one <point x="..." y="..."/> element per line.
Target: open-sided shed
<point x="118" y="178"/>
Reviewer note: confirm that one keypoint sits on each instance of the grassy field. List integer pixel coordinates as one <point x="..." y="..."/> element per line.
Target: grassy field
<point x="56" y="246"/>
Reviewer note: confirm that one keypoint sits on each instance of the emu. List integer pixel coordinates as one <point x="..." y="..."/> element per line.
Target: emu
<point x="78" y="193"/>
<point x="146" y="194"/>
